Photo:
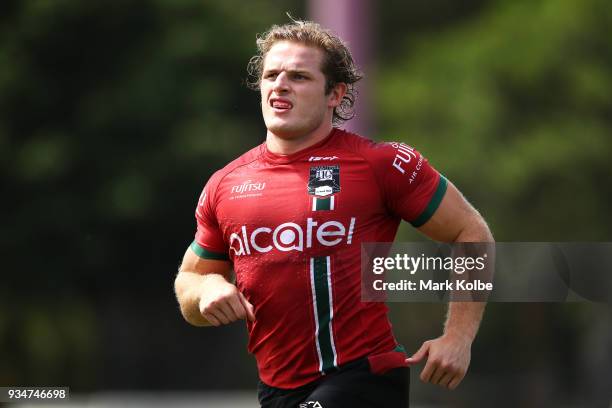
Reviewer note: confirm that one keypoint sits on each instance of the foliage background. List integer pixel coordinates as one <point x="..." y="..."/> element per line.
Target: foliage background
<point x="113" y="115"/>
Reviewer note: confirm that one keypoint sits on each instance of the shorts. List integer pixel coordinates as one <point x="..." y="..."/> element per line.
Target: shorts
<point x="353" y="385"/>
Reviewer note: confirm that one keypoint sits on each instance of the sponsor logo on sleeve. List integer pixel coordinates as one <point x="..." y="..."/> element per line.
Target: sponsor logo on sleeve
<point x="201" y="202"/>
<point x="324" y="180"/>
<point x="405" y="154"/>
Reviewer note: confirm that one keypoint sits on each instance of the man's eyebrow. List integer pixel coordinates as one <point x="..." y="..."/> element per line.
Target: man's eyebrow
<point x="298" y="71"/>
<point x="290" y="71"/>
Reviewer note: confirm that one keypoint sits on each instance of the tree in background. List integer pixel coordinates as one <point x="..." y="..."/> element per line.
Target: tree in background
<point x="112" y="117"/>
<point x="514" y="104"/>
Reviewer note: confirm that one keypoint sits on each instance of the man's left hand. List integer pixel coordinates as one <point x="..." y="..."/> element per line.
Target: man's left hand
<point x="448" y="359"/>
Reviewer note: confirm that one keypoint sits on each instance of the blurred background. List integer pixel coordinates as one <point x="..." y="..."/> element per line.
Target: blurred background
<point x="114" y="114"/>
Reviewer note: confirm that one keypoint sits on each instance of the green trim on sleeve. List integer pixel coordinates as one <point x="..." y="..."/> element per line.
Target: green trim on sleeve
<point x="206" y="254"/>
<point x="433" y="205"/>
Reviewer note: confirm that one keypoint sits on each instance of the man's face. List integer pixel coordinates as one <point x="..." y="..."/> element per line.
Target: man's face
<point x="293" y="100"/>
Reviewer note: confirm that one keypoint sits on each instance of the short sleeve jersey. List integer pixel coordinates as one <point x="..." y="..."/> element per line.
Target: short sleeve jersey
<point x="292" y="226"/>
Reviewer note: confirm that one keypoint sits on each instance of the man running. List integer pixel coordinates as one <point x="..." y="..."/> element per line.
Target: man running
<point x="289" y="217"/>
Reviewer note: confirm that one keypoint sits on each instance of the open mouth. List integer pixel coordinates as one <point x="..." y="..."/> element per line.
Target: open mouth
<point x="280" y="105"/>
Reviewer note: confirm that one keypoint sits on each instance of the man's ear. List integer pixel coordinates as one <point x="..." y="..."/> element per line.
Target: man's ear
<point x="336" y="95"/>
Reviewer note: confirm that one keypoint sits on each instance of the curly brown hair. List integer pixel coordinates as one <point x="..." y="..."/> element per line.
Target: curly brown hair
<point x="338" y="65"/>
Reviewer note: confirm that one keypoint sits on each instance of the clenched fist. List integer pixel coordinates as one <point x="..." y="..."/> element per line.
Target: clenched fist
<point x="222" y="303"/>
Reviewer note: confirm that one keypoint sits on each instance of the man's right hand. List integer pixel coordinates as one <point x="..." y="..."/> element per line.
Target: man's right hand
<point x="205" y="294"/>
<point x="222" y="303"/>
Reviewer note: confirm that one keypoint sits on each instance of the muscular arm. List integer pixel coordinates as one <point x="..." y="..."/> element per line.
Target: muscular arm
<point x="449" y="355"/>
<point x="457" y="221"/>
<point x="205" y="294"/>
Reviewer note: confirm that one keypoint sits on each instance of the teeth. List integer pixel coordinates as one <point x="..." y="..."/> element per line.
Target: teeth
<point x="281" y="105"/>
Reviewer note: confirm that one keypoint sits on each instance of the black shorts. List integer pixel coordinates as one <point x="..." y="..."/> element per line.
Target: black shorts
<point x="353" y="385"/>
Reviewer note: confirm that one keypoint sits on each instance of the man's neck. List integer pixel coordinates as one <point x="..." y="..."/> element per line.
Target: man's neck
<point x="285" y="146"/>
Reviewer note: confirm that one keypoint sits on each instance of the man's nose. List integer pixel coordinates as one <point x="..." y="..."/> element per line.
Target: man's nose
<point x="281" y="83"/>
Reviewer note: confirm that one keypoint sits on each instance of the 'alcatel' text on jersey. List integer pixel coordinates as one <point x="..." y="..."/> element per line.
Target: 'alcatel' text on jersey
<point x="289" y="236"/>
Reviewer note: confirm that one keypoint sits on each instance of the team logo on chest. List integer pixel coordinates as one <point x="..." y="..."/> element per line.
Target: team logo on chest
<point x="324" y="180"/>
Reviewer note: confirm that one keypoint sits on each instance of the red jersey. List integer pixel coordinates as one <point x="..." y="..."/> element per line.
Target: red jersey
<point x="292" y="227"/>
